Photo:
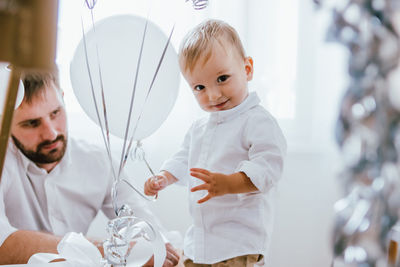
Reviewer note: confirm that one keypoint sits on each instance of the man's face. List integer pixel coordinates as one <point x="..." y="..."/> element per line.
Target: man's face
<point x="39" y="127"/>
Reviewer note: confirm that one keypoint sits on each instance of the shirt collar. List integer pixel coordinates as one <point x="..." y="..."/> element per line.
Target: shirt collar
<point x="31" y="167"/>
<point x="220" y="116"/>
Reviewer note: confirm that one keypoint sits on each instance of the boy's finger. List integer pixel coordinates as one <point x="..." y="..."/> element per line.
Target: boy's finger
<point x="199" y="187"/>
<point x="204" y="199"/>
<point x="149" y="192"/>
<point x="171" y="250"/>
<point x="200" y="170"/>
<point x="172" y="255"/>
<point x="161" y="183"/>
<point x="151" y="189"/>
<point x="200" y="176"/>
<point x="154" y="185"/>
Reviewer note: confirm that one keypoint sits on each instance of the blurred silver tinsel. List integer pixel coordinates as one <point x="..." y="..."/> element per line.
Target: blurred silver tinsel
<point x="368" y="132"/>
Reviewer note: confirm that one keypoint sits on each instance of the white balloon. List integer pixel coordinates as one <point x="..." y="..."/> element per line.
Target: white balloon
<point x="4" y="79"/>
<point x="118" y="40"/>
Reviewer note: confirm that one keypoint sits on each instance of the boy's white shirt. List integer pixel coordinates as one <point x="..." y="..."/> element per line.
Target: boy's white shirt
<point x="245" y="138"/>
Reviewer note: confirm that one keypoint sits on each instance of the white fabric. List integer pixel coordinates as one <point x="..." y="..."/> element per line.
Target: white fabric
<point x="64" y="200"/>
<point x="78" y="251"/>
<point x="247" y="139"/>
<point x="75" y="249"/>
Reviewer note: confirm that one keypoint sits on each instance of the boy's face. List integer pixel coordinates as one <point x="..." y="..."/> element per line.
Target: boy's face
<point x="220" y="83"/>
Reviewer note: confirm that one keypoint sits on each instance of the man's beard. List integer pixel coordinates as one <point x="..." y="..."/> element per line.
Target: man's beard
<point x="38" y="156"/>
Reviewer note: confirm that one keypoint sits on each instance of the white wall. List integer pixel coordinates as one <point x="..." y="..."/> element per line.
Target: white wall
<point x="304" y="214"/>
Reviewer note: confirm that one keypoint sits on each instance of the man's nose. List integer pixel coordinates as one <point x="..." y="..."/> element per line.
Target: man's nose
<point x="49" y="131"/>
<point x="214" y="93"/>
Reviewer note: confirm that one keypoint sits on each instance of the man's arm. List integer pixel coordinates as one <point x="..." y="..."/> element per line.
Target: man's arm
<point x="21" y="245"/>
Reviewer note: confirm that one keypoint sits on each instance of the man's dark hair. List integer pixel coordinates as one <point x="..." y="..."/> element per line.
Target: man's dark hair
<point x="36" y="82"/>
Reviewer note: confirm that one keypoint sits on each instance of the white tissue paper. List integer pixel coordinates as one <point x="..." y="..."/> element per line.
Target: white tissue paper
<point x="78" y="251"/>
<point x="75" y="249"/>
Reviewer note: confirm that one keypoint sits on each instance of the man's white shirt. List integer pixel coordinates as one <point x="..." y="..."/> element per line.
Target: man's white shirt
<point x="64" y="200"/>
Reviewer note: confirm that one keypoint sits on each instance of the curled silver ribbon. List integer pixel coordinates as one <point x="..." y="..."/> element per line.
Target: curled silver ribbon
<point x="199" y="4"/>
<point x="90" y="3"/>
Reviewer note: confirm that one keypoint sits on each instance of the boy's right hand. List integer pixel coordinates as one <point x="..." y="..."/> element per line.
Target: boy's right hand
<point x="155" y="184"/>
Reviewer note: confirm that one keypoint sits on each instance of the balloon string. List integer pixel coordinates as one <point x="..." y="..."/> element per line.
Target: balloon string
<point x="101" y="85"/>
<point x="141" y="155"/>
<point x="106" y="138"/>
<point x="94" y="97"/>
<point x="114" y="189"/>
<point x="151" y="171"/>
<point x="148" y="93"/>
<point x="123" y="156"/>
<point x="136" y="190"/>
<point x="91" y="4"/>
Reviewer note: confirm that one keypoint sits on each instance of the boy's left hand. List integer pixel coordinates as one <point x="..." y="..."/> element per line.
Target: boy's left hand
<point x="215" y="183"/>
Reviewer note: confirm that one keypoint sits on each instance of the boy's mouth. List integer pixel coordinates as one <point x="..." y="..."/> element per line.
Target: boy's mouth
<point x="221" y="105"/>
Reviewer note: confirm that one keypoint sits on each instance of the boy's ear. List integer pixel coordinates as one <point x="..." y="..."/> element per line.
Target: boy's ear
<point x="248" y="65"/>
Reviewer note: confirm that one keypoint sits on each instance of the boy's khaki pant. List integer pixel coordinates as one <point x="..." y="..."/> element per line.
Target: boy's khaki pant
<point x="240" y="261"/>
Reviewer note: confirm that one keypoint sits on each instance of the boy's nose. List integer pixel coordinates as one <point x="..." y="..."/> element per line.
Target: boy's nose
<point x="214" y="94"/>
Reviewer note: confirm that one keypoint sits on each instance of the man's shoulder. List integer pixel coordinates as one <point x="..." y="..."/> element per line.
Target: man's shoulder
<point x="11" y="166"/>
<point x="82" y="149"/>
<point x="83" y="144"/>
<point x="11" y="159"/>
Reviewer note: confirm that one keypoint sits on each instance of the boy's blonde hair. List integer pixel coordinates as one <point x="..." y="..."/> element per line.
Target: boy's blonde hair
<point x="198" y="42"/>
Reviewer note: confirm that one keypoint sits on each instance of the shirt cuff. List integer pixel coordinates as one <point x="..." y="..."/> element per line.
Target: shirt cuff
<point x="256" y="174"/>
<point x="177" y="169"/>
<point x="6" y="231"/>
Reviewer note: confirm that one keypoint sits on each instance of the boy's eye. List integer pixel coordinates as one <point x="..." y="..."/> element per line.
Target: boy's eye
<point x="55" y="112"/>
<point x="199" y="87"/>
<point x="222" y="78"/>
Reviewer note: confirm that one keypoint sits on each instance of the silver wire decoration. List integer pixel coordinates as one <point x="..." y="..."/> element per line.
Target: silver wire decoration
<point x="128" y="141"/>
<point x="199" y="4"/>
<point x="90" y="3"/>
<point x="125" y="228"/>
<point x="367" y="132"/>
<point x="104" y="128"/>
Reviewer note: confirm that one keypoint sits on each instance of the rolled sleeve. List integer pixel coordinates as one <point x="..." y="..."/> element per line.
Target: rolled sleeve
<point x="5" y="227"/>
<point x="177" y="169"/>
<point x="263" y="173"/>
<point x="267" y="149"/>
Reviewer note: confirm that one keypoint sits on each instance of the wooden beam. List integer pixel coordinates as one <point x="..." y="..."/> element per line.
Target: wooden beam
<point x="8" y="111"/>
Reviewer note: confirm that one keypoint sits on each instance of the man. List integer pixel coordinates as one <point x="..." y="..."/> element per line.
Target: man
<point x="53" y="184"/>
